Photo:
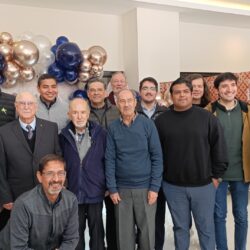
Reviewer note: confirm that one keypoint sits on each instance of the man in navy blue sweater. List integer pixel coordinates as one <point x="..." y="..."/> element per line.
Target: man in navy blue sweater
<point x="133" y="173"/>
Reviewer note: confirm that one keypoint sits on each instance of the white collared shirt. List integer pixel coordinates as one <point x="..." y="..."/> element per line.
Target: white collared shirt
<point x="32" y="124"/>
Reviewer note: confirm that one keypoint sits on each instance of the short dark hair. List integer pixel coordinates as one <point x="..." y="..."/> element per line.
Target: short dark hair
<point x="48" y="158"/>
<point x="148" y="79"/>
<point x="223" y="77"/>
<point x="180" y="80"/>
<point x="205" y="99"/>
<point x="95" y="80"/>
<point x="45" y="77"/>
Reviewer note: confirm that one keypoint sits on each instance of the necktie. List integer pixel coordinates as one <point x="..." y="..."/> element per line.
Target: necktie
<point x="30" y="132"/>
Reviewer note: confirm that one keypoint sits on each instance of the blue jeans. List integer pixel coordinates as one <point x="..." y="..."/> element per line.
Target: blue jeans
<point x="239" y="194"/>
<point x="182" y="201"/>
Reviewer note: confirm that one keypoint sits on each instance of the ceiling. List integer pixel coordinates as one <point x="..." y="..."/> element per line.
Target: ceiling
<point x="234" y="13"/>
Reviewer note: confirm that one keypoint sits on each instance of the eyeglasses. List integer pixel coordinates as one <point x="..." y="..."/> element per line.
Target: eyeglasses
<point x="149" y="88"/>
<point x="118" y="81"/>
<point x="51" y="174"/>
<point x="23" y="104"/>
<point x="96" y="90"/>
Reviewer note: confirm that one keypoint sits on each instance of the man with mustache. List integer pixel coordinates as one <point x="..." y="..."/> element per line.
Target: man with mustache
<point x="149" y="107"/>
<point x="46" y="217"/>
<point x="83" y="144"/>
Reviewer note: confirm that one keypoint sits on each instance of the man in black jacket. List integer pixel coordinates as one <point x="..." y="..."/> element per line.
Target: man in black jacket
<point x="195" y="158"/>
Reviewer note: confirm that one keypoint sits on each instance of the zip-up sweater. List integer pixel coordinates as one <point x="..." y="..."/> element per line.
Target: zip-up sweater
<point x="86" y="178"/>
<point x="193" y="145"/>
<point x="36" y="223"/>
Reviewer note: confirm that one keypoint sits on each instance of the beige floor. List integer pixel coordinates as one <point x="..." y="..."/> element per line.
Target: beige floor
<point x="194" y="243"/>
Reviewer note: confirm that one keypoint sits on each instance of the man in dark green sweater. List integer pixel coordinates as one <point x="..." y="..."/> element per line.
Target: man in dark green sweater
<point x="234" y="116"/>
<point x="194" y="158"/>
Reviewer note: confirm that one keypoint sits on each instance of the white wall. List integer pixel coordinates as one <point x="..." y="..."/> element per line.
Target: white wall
<point x="86" y="29"/>
<point x="209" y="48"/>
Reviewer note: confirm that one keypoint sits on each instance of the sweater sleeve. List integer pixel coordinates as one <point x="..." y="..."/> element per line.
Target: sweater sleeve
<point x="71" y="235"/>
<point x="156" y="159"/>
<point x="19" y="227"/>
<point x="110" y="162"/>
<point x="218" y="148"/>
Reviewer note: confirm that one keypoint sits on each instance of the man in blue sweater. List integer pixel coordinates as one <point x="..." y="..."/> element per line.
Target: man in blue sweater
<point x="133" y="173"/>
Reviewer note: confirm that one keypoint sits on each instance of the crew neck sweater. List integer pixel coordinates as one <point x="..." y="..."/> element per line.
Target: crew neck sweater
<point x="193" y="145"/>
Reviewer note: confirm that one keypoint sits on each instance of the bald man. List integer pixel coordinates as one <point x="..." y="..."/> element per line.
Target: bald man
<point x="23" y="143"/>
<point x="83" y="145"/>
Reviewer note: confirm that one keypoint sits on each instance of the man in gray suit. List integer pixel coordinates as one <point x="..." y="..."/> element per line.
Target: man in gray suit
<point x="23" y="143"/>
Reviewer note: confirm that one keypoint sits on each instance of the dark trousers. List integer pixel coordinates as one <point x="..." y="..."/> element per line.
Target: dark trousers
<point x="93" y="214"/>
<point x="4" y="217"/>
<point x="160" y="221"/>
<point x="110" y="224"/>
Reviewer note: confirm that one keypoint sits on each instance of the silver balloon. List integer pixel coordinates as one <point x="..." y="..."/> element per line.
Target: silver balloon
<point x="27" y="35"/>
<point x="6" y="37"/>
<point x="46" y="58"/>
<point x="83" y="76"/>
<point x="100" y="50"/>
<point x="85" y="54"/>
<point x="85" y="66"/>
<point x="6" y="50"/>
<point x="27" y="74"/>
<point x="12" y="71"/>
<point x="26" y="53"/>
<point x="42" y="42"/>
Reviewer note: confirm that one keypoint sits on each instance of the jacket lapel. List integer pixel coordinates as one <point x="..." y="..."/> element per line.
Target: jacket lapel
<point x="40" y="126"/>
<point x="20" y="136"/>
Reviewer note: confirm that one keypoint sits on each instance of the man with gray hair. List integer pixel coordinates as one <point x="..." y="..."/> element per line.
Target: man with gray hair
<point x="133" y="173"/>
<point x="23" y="142"/>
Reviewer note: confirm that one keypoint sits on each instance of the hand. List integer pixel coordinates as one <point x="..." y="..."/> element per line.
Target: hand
<point x="115" y="197"/>
<point x="215" y="182"/>
<point x="152" y="197"/>
<point x="8" y="206"/>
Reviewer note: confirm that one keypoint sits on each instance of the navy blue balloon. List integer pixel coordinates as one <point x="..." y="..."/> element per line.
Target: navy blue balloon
<point x="56" y="71"/>
<point x="2" y="79"/>
<point x="80" y="94"/>
<point x="2" y="62"/>
<point x="70" y="75"/>
<point x="61" y="40"/>
<point x="53" y="49"/>
<point x="69" y="56"/>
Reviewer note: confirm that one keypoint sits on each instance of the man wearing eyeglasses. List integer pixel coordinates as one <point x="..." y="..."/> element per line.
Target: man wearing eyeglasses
<point x="23" y="143"/>
<point x="45" y="217"/>
<point x="149" y="107"/>
<point x="83" y="145"/>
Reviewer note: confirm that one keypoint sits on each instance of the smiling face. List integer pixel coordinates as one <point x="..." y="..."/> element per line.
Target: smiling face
<point x="52" y="179"/>
<point x="126" y="103"/>
<point x="96" y="94"/>
<point x="198" y="89"/>
<point x="118" y="82"/>
<point x="48" y="90"/>
<point x="148" y="92"/>
<point x="181" y="97"/>
<point x="227" y="91"/>
<point x="26" y="107"/>
<point x="79" y="113"/>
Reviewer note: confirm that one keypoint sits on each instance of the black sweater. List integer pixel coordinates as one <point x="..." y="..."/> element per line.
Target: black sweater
<point x="7" y="108"/>
<point x="193" y="146"/>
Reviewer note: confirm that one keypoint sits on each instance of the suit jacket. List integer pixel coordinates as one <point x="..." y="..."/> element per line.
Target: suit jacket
<point x="18" y="164"/>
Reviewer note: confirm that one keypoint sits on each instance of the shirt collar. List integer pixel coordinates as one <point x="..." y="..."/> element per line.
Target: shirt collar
<point x="136" y="114"/>
<point x="48" y="106"/>
<point x="32" y="124"/>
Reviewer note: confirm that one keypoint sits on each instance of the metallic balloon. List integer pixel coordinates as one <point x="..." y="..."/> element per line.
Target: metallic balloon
<point x="27" y="74"/>
<point x="6" y="37"/>
<point x="83" y="76"/>
<point x="85" y="66"/>
<point x="95" y="68"/>
<point x="42" y="42"/>
<point x="27" y="35"/>
<point x="6" y="50"/>
<point x="85" y="54"/>
<point x="95" y="58"/>
<point x="101" y="50"/>
<point x="12" y="71"/>
<point x="9" y="83"/>
<point x="26" y="53"/>
<point x="46" y="58"/>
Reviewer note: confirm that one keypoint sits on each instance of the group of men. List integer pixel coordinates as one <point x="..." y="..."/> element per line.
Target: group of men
<point x="134" y="155"/>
